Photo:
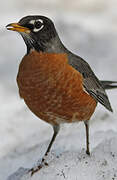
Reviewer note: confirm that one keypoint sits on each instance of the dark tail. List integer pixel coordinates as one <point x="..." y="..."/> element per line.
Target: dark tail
<point x="109" y="84"/>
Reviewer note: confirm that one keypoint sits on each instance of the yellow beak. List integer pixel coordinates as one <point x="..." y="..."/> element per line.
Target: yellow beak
<point x="18" y="28"/>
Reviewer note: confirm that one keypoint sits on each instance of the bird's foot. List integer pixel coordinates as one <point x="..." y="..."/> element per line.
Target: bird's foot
<point x="36" y="169"/>
<point x="88" y="152"/>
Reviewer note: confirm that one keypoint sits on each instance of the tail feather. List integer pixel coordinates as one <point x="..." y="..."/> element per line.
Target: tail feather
<point x="109" y="84"/>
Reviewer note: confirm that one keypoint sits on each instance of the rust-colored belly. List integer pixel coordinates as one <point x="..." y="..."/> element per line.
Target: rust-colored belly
<point x="52" y="89"/>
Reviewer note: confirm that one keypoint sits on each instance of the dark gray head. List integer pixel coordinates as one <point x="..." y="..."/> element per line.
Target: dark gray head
<point x="37" y="31"/>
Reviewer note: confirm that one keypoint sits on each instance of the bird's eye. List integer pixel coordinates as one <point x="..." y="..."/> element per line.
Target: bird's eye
<point x="38" y="24"/>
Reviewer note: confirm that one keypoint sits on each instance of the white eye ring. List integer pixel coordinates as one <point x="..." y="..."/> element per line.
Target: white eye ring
<point x="39" y="20"/>
<point x="36" y="30"/>
<point x="33" y="22"/>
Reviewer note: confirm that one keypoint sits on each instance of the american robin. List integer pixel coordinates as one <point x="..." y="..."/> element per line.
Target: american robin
<point x="57" y="85"/>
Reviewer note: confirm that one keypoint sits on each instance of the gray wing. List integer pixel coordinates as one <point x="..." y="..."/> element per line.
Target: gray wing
<point x="91" y="83"/>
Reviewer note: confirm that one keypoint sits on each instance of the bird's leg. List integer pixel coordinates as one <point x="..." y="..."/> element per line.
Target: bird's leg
<point x="87" y="136"/>
<point x="56" y="130"/>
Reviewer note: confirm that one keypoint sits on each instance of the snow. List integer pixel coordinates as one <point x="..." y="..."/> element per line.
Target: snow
<point x="76" y="164"/>
<point x="69" y="165"/>
<point x="88" y="28"/>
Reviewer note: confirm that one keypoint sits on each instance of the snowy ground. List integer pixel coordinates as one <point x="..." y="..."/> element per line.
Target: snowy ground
<point x="88" y="28"/>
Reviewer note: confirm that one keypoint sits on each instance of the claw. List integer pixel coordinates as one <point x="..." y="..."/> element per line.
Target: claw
<point x="34" y="170"/>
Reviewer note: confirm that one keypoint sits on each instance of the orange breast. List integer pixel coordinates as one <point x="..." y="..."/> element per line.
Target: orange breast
<point x="52" y="89"/>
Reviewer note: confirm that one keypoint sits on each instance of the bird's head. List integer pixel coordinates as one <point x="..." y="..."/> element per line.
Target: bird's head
<point x="37" y="31"/>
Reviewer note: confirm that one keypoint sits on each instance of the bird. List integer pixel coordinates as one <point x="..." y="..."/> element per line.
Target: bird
<point x="56" y="85"/>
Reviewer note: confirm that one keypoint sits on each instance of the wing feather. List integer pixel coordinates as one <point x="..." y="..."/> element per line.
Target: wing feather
<point x="91" y="83"/>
